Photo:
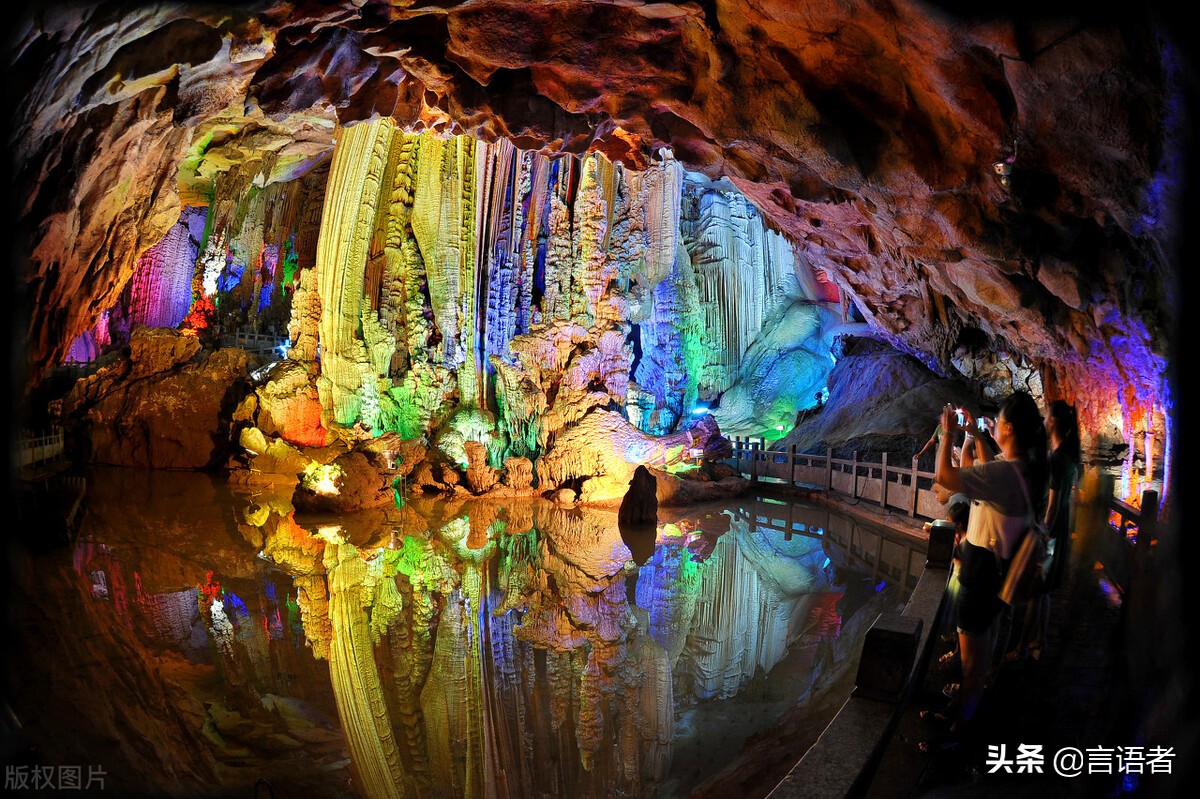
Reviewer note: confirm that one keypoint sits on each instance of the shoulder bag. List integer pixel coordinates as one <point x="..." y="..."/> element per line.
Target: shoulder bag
<point x="1026" y="571"/>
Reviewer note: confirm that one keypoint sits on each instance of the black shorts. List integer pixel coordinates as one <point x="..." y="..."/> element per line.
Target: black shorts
<point x="979" y="581"/>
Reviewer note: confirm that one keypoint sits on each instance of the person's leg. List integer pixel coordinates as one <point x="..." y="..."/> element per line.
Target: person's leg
<point x="1041" y="626"/>
<point x="1025" y="624"/>
<point x="976" y="657"/>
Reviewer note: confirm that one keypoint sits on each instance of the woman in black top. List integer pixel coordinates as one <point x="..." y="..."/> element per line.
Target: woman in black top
<point x="1062" y="429"/>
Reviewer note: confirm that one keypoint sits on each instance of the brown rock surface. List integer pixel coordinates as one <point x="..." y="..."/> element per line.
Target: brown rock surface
<point x="176" y="417"/>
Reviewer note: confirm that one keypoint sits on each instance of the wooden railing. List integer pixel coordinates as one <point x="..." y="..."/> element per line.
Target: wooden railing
<point x="1130" y="533"/>
<point x="33" y="449"/>
<point x="903" y="487"/>
<point x="77" y="369"/>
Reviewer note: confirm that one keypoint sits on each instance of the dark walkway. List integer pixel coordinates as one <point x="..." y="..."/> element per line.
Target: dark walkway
<point x="1075" y="695"/>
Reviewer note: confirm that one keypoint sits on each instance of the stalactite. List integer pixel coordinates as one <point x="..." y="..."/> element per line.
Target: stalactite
<point x="560" y="256"/>
<point x="351" y="203"/>
<point x="662" y="185"/>
<point x="399" y="251"/>
<point x="673" y="351"/>
<point x="596" y="269"/>
<point x="162" y="285"/>
<point x="509" y="274"/>
<point x="443" y="223"/>
<point x="744" y="271"/>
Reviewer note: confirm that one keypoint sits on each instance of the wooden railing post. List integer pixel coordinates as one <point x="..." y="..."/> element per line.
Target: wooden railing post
<point x="792" y="472"/>
<point x="753" y="462"/>
<point x="854" y="475"/>
<point x="883" y="488"/>
<point x="912" y="510"/>
<point x="1148" y="524"/>
<point x="828" y="469"/>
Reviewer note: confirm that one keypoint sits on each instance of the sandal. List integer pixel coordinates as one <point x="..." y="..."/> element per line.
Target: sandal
<point x="948" y="661"/>
<point x="937" y="716"/>
<point x="1015" y="656"/>
<point x="942" y="745"/>
<point x="950" y="690"/>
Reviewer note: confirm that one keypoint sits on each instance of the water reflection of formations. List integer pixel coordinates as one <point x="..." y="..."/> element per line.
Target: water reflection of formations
<point x="468" y="646"/>
<point x="735" y="611"/>
<point x="498" y="646"/>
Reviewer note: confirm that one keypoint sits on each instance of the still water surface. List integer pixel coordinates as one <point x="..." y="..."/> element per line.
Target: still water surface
<point x="202" y="638"/>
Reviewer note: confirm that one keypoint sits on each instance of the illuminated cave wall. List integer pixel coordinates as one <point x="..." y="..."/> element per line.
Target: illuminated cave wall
<point x="444" y="283"/>
<point x="454" y="274"/>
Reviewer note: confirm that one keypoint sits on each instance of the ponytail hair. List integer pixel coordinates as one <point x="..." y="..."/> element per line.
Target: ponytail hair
<point x="1066" y="424"/>
<point x="1021" y="411"/>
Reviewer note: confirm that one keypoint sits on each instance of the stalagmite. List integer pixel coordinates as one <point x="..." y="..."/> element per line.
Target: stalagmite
<point x="605" y="449"/>
<point x="304" y="327"/>
<point x="779" y="374"/>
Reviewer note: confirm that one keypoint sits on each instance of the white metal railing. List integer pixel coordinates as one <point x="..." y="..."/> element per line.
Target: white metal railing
<point x="34" y="449"/>
<point x="263" y="344"/>
<point x="904" y="487"/>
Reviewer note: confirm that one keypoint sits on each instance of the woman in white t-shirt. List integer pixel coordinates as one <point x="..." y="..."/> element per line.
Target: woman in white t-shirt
<point x="1000" y="515"/>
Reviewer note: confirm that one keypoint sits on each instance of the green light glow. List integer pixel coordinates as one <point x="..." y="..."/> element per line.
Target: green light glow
<point x="321" y="478"/>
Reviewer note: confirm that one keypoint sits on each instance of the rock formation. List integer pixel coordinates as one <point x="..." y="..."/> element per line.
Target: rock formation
<point x="169" y="406"/>
<point x="880" y="159"/>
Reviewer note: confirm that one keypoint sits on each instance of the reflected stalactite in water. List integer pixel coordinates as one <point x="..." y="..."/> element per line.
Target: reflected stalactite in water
<point x="446" y="705"/>
<point x="355" y="676"/>
<point x="747" y="602"/>
<point x="667" y="588"/>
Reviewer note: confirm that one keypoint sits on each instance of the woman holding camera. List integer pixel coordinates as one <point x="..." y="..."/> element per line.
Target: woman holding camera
<point x="1001" y="491"/>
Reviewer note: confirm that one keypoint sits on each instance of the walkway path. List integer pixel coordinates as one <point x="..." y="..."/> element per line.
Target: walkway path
<point x="1075" y="695"/>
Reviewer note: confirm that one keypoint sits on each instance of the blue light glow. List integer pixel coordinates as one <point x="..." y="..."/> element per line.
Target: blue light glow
<point x="882" y="585"/>
<point x="235" y="602"/>
<point x="700" y="410"/>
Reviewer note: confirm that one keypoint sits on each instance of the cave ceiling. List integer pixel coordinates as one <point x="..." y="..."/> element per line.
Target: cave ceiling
<point x="867" y="132"/>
